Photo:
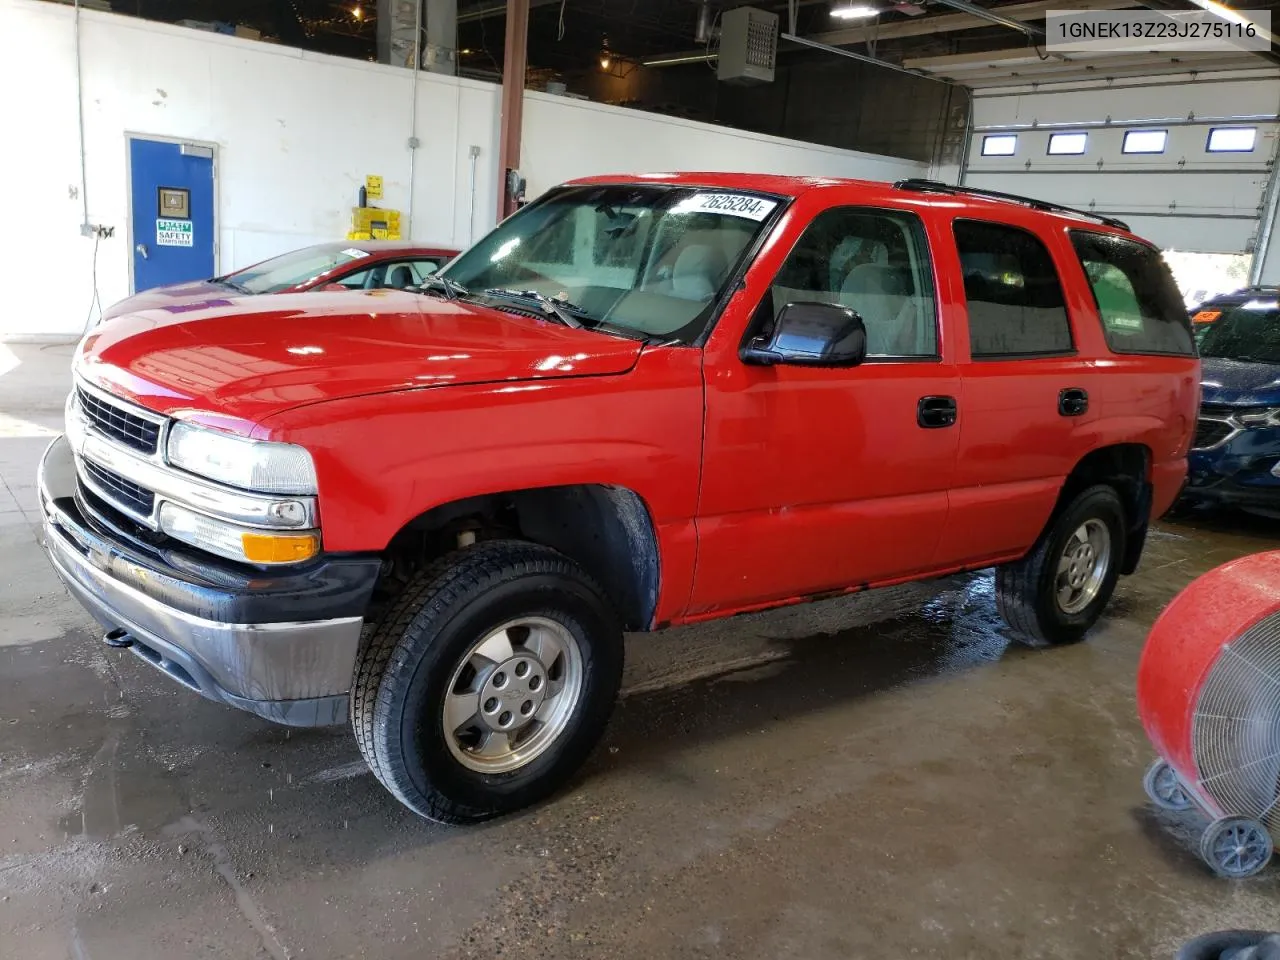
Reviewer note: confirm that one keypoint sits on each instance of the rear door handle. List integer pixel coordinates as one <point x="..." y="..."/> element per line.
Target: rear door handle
<point x="1073" y="402"/>
<point x="934" y="412"/>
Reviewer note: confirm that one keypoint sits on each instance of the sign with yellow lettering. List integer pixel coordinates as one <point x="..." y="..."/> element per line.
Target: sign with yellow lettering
<point x="373" y="186"/>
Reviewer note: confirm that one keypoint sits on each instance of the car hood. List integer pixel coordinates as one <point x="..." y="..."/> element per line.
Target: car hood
<point x="194" y="296"/>
<point x="247" y="359"/>
<point x="1239" y="382"/>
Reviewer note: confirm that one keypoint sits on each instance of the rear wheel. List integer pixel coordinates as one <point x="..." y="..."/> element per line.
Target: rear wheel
<point x="1058" y="591"/>
<point x="487" y="684"/>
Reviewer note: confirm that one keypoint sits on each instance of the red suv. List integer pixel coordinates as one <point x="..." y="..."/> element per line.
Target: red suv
<point x="640" y="401"/>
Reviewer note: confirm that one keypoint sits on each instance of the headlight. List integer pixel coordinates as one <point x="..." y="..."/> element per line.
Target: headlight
<point x="1261" y="417"/>
<point x="235" y="542"/>
<point x="258" y="465"/>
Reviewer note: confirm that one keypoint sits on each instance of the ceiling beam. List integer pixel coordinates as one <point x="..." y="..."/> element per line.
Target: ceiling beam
<point x="952" y="22"/>
<point x="994" y="15"/>
<point x="496" y="9"/>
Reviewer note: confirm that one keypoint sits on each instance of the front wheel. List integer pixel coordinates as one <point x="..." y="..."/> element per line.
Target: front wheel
<point x="1058" y="591"/>
<point x="487" y="684"/>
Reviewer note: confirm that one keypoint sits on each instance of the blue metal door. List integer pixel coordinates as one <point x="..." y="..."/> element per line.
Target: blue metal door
<point x="171" y="198"/>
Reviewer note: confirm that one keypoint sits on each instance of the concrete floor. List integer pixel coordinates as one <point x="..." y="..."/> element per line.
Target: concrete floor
<point x="880" y="776"/>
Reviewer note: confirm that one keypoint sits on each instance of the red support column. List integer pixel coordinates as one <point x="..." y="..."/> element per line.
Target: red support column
<point x="513" y="69"/>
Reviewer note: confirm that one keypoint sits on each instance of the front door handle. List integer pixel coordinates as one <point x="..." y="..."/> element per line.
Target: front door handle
<point x="934" y="412"/>
<point x="1073" y="402"/>
<point x="142" y="249"/>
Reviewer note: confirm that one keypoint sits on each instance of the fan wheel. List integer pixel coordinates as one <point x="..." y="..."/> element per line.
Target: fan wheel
<point x="1236" y="847"/>
<point x="1165" y="788"/>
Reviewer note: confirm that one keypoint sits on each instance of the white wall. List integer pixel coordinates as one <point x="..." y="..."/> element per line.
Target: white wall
<point x="1183" y="199"/>
<point x="296" y="134"/>
<point x="566" y="138"/>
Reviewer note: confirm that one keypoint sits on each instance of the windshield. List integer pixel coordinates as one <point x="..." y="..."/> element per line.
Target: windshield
<point x="291" y="269"/>
<point x="647" y="258"/>
<point x="1250" y="331"/>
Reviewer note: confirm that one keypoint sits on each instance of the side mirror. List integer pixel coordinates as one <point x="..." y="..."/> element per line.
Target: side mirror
<point x="811" y="334"/>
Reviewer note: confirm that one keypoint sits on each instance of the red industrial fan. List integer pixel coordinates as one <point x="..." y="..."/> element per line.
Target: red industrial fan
<point x="1209" y="698"/>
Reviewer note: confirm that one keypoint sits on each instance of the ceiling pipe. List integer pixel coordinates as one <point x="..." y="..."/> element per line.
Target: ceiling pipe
<point x="842" y="52"/>
<point x="1033" y="32"/>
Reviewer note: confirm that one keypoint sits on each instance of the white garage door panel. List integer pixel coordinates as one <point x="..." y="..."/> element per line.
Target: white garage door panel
<point x="1130" y="102"/>
<point x="1195" y="233"/>
<point x="1127" y="193"/>
<point x="1185" y="197"/>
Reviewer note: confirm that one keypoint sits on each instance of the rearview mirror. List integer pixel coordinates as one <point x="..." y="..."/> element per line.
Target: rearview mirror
<point x="811" y="334"/>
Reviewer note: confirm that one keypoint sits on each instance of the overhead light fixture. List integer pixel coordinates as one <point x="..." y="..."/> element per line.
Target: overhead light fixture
<point x="854" y="11"/>
<point x="1238" y="17"/>
<point x="357" y="12"/>
<point x="673" y="61"/>
<point x="604" y="63"/>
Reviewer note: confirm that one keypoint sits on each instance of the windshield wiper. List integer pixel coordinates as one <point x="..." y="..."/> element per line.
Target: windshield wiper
<point x="567" y="313"/>
<point x="450" y="289"/>
<point x="227" y="282"/>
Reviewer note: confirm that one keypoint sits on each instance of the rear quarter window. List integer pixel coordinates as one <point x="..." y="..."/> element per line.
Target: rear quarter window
<point x="1137" y="299"/>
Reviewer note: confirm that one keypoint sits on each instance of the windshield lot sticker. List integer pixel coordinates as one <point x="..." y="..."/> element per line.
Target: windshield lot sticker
<point x="733" y="204"/>
<point x="353" y="253"/>
<point x="174" y="233"/>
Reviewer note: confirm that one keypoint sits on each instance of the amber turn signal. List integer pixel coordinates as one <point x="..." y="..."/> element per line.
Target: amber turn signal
<point x="279" y="547"/>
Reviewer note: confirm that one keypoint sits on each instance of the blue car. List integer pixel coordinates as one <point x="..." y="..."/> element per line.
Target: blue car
<point x="1235" y="457"/>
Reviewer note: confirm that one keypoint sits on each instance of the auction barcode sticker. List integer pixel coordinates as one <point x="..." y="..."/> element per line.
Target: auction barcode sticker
<point x="733" y="204"/>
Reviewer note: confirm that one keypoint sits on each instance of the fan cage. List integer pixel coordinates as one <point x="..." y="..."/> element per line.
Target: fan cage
<point x="1236" y="727"/>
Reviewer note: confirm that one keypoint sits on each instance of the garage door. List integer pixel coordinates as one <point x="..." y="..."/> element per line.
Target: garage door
<point x="1184" y="159"/>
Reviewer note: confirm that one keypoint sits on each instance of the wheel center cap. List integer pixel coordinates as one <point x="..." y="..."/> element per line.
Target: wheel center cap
<point x="512" y="693"/>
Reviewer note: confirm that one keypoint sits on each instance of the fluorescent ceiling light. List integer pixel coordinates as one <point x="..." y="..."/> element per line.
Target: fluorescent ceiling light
<point x="672" y="61"/>
<point x="854" y="12"/>
<point x="1234" y="16"/>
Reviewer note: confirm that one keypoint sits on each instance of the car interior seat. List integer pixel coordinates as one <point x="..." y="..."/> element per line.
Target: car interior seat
<point x="399" y="277"/>
<point x="882" y="296"/>
<point x="698" y="272"/>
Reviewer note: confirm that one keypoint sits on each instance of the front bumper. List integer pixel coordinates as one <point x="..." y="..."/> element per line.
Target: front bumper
<point x="1237" y="472"/>
<point x="233" y="637"/>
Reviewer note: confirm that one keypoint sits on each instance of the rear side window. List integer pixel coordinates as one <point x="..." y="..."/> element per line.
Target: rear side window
<point x="1137" y="299"/>
<point x="1016" y="308"/>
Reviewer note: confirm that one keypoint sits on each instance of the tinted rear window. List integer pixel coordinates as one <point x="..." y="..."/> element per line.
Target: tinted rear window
<point x="1011" y="287"/>
<point x="1137" y="299"/>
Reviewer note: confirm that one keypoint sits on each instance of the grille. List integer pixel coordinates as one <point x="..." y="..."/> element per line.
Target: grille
<point x="118" y="423"/>
<point x="122" y="492"/>
<point x="1209" y="432"/>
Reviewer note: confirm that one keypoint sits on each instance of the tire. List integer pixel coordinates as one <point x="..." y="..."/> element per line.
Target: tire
<point x="1164" y="789"/>
<point x="424" y="648"/>
<point x="1236" y="847"/>
<point x="1026" y="590"/>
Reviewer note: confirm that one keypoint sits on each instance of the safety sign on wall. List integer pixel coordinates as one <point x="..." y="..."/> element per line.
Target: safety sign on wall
<point x="373" y="186"/>
<point x="174" y="233"/>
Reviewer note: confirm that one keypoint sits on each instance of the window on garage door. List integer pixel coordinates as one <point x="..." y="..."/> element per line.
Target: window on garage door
<point x="1014" y="296"/>
<point x="1138" y="301"/>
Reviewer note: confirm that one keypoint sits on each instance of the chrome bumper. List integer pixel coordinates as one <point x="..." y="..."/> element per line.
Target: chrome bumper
<point x="296" y="673"/>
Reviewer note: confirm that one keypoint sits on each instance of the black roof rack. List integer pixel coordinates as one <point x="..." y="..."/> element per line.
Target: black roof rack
<point x="937" y="186"/>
